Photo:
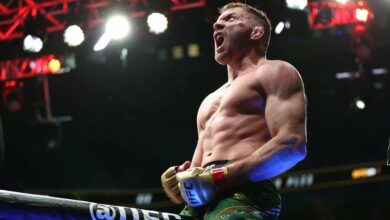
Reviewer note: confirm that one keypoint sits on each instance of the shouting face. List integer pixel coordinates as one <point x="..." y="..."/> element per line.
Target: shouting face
<point x="232" y="34"/>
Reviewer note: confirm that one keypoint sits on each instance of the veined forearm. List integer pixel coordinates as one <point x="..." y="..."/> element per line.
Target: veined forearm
<point x="270" y="160"/>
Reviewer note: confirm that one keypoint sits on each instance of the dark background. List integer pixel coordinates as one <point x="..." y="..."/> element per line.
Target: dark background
<point x="131" y="122"/>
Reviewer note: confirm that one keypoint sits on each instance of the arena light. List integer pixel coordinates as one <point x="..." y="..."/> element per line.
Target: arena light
<point x="344" y="75"/>
<point x="32" y="44"/>
<point x="287" y="24"/>
<point x="279" y="28"/>
<point x="365" y="172"/>
<point x="193" y="50"/>
<point x="11" y="83"/>
<point x="362" y="14"/>
<point x="359" y="28"/>
<point x="118" y="27"/>
<point x="157" y="23"/>
<point x="54" y="65"/>
<point x="360" y="104"/>
<point x="324" y="14"/>
<point x="73" y="36"/>
<point x="102" y="43"/>
<point x="177" y="52"/>
<point x="342" y="1"/>
<point x="296" y="4"/>
<point x="379" y="71"/>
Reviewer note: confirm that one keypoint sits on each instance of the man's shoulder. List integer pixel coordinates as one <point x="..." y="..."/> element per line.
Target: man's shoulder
<point x="277" y="75"/>
<point x="277" y="67"/>
<point x="275" y="70"/>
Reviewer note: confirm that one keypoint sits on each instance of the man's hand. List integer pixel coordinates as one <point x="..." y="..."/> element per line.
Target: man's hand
<point x="170" y="184"/>
<point x="198" y="186"/>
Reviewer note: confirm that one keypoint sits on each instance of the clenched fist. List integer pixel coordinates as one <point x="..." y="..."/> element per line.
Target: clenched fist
<point x="170" y="183"/>
<point x="198" y="186"/>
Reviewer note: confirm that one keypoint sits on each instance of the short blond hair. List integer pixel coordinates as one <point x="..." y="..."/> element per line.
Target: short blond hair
<point x="262" y="19"/>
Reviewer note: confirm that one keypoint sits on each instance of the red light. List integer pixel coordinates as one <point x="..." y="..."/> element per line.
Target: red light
<point x="328" y="13"/>
<point x="54" y="65"/>
<point x="360" y="3"/>
<point x="359" y="28"/>
<point x="9" y="84"/>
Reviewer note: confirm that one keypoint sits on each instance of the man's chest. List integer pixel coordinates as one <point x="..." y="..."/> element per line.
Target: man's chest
<point x="239" y="98"/>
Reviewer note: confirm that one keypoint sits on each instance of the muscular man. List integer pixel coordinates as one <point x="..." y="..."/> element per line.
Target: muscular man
<point x="251" y="129"/>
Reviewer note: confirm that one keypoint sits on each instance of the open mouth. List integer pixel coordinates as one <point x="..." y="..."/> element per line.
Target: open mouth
<point x="219" y="39"/>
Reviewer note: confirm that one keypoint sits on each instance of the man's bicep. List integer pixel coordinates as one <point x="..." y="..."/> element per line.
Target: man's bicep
<point x="285" y="104"/>
<point x="286" y="116"/>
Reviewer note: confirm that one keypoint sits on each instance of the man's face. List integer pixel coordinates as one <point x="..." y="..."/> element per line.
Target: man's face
<point x="232" y="32"/>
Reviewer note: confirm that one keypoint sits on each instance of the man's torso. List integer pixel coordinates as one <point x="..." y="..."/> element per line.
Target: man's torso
<point x="231" y="120"/>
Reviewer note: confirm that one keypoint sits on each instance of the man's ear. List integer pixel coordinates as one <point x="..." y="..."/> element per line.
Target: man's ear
<point x="257" y="32"/>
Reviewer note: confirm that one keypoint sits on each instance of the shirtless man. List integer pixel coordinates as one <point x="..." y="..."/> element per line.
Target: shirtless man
<point x="251" y="129"/>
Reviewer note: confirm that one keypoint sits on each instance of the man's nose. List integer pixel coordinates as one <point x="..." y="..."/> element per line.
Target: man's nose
<point x="217" y="25"/>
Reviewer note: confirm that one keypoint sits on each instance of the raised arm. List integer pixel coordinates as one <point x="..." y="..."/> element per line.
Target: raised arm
<point x="285" y="114"/>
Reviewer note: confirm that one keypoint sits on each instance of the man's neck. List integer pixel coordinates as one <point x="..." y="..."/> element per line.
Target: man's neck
<point x="244" y="65"/>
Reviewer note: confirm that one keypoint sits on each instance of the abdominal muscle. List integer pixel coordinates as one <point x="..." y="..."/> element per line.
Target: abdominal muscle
<point x="232" y="137"/>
